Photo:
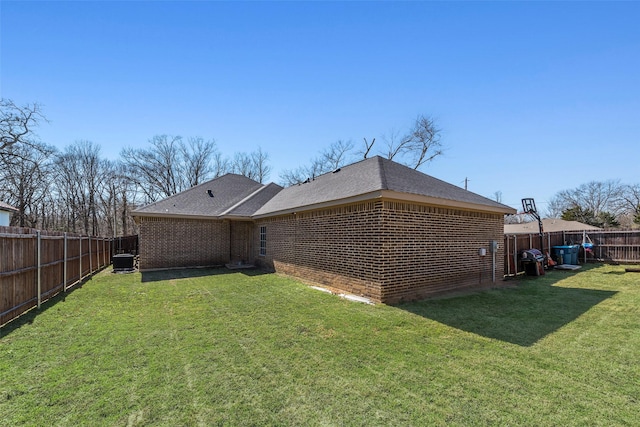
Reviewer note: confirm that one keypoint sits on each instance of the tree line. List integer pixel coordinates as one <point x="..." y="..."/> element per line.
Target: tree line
<point x="605" y="204"/>
<point x="76" y="189"/>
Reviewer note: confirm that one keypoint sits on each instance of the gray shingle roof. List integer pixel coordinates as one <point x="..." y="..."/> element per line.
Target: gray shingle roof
<point x="373" y="176"/>
<point x="235" y="196"/>
<point x="254" y="202"/>
<point x="549" y="225"/>
<point x="229" y="191"/>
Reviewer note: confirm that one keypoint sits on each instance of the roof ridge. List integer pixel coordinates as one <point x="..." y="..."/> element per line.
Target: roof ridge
<point x="179" y="193"/>
<point x="246" y="199"/>
<point x="383" y="173"/>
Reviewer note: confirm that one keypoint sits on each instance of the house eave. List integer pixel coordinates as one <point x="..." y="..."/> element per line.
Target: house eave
<point x="393" y="196"/>
<point x="235" y="217"/>
<point x="169" y="215"/>
<point x="446" y="203"/>
<point x="331" y="203"/>
<point x="9" y="209"/>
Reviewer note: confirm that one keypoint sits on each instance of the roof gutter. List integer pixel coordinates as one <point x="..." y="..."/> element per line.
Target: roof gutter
<point x="447" y="203"/>
<point x="136" y="215"/>
<point x="395" y="196"/>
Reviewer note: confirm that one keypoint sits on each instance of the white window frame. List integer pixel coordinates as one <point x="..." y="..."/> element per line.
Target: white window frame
<point x="263" y="240"/>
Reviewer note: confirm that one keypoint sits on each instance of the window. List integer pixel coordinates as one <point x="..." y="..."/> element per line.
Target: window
<point x="263" y="240"/>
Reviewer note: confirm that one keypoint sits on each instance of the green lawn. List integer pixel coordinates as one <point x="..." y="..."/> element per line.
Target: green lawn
<point x="208" y="347"/>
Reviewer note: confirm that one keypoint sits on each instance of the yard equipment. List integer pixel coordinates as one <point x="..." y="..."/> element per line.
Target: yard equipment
<point x="529" y="206"/>
<point x="533" y="262"/>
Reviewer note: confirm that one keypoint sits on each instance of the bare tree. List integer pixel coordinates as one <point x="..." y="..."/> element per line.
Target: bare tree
<point x="82" y="176"/>
<point x="158" y="171"/>
<point x="17" y="122"/>
<point x="420" y="145"/>
<point x="262" y="168"/>
<point x="333" y="157"/>
<point x="220" y="164"/>
<point x="423" y="142"/>
<point x="555" y="207"/>
<point x="367" y="148"/>
<point x="25" y="175"/>
<point x="117" y="199"/>
<point x="630" y="198"/>
<point x="253" y="165"/>
<point x="394" y="144"/>
<point x="290" y="177"/>
<point x="595" y="196"/>
<point x="242" y="164"/>
<point x="630" y="202"/>
<point x="197" y="155"/>
<point x="596" y="202"/>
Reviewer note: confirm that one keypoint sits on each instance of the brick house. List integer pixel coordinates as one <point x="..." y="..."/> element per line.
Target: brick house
<point x="374" y="228"/>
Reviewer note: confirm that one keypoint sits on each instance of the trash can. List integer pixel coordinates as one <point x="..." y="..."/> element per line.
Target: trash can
<point x="567" y="254"/>
<point x="562" y="254"/>
<point x="575" y="249"/>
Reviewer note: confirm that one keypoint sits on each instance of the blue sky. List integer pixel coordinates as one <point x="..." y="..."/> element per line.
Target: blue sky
<point x="531" y="97"/>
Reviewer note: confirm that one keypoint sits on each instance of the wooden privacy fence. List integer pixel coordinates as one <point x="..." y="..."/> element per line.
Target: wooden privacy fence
<point x="608" y="246"/>
<point x="35" y="265"/>
<point x="125" y="245"/>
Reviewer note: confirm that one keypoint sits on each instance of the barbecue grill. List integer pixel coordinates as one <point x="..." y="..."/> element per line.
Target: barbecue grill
<point x="533" y="262"/>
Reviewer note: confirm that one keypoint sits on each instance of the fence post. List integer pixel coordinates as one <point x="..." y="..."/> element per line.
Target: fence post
<point x="90" y="260"/>
<point x="515" y="253"/>
<point x="80" y="251"/>
<point x="508" y="253"/>
<point x="64" y="265"/>
<point x="39" y="259"/>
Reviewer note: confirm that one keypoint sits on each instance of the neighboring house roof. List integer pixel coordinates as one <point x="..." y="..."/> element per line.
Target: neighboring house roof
<point x="6" y="207"/>
<point x="372" y="178"/>
<point x="549" y="225"/>
<point x="231" y="194"/>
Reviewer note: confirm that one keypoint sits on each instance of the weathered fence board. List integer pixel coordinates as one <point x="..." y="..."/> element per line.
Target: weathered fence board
<point x="37" y="265"/>
<point x="608" y="246"/>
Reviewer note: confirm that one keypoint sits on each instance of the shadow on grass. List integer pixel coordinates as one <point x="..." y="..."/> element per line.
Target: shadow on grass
<point x="521" y="315"/>
<point x="185" y="273"/>
<point x="27" y="317"/>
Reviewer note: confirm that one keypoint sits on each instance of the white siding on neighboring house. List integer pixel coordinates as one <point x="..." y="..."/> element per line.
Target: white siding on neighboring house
<point x="4" y="218"/>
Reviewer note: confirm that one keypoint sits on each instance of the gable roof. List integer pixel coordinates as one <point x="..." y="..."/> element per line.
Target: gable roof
<point x="231" y="194"/>
<point x="238" y="197"/>
<point x="372" y="178"/>
<point x="549" y="225"/>
<point x="6" y="207"/>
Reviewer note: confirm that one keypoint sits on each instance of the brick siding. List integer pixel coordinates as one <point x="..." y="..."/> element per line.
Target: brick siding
<point x="384" y="250"/>
<point x="241" y="242"/>
<point x="432" y="250"/>
<point x="177" y="242"/>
